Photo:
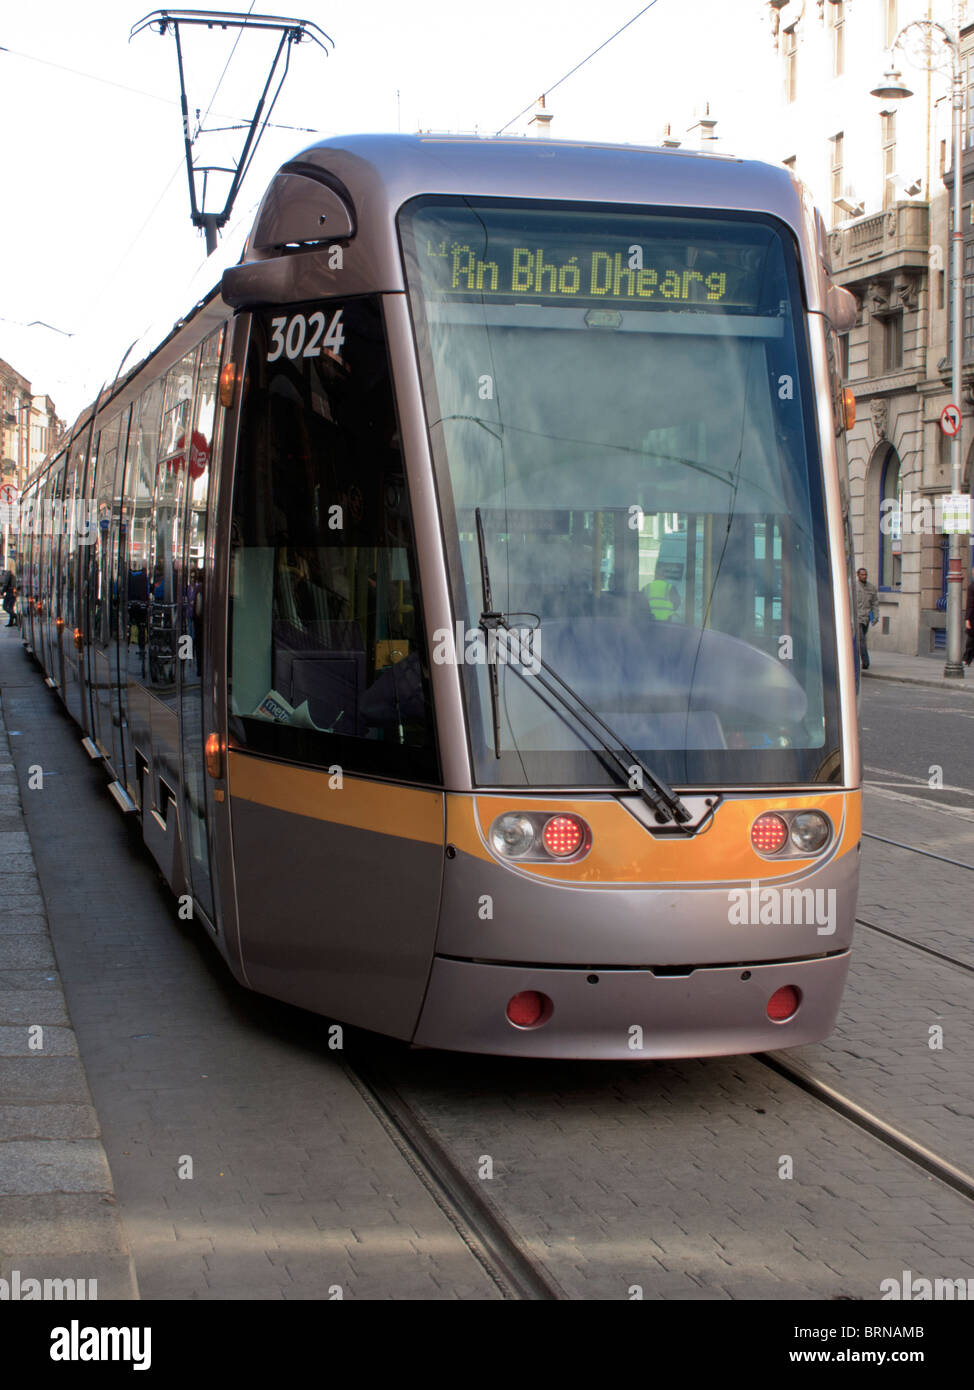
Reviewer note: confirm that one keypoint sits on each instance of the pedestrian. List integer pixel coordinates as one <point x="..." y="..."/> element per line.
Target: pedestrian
<point x="969" y="622"/>
<point x="9" y="592"/>
<point x="867" y="601"/>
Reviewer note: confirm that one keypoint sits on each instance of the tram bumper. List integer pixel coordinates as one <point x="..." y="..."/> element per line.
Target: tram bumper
<point x="631" y="1015"/>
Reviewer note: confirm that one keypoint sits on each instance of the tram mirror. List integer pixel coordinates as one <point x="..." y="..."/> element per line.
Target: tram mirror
<point x="298" y="208"/>
<point x="840" y="307"/>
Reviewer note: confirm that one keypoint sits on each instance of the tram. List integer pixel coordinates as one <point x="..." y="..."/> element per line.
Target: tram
<point x="459" y="596"/>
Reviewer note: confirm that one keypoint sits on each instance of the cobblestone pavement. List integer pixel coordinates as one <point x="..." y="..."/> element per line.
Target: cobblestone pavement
<point x="670" y="1176"/>
<point x="886" y="1052"/>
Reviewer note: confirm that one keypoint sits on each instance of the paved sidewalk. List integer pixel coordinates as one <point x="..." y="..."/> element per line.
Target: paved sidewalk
<point x="58" y="1218"/>
<point x="915" y="670"/>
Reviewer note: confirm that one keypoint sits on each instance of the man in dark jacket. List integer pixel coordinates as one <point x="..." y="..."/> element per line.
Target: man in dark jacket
<point x="8" y="589"/>
<point x="867" y="601"/>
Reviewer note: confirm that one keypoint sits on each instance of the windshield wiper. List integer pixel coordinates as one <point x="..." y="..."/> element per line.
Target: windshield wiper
<point x="661" y="799"/>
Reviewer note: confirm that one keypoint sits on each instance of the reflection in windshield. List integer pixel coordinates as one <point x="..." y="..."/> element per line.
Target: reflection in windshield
<point x="635" y="441"/>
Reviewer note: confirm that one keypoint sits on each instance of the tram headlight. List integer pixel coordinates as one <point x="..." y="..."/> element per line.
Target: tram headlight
<point x="810" y="831"/>
<point x="512" y="835"/>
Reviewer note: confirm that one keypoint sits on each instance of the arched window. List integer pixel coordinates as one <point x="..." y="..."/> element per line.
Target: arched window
<point x="891" y="523"/>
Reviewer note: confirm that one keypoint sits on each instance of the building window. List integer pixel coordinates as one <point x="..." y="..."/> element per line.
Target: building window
<point x="888" y="119"/>
<point x="844" y="356"/>
<point x="967" y="291"/>
<point x="790" y="51"/>
<point x="892" y="342"/>
<point x="890" y="27"/>
<point x="943" y="450"/>
<point x="968" y="283"/>
<point x="837" y="26"/>
<point x="836" y="143"/>
<point x="891" y="529"/>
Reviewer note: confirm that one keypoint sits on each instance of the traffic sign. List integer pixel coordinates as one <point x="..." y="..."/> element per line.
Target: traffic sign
<point x="950" y="420"/>
<point x="8" y="495"/>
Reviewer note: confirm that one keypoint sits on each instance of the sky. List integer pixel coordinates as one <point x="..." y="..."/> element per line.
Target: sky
<point x="95" y="233"/>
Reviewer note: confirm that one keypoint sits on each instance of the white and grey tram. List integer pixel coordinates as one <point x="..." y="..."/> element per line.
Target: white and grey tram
<point x="459" y="596"/>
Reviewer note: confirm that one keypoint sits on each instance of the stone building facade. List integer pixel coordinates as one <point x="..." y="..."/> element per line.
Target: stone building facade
<point x="15" y="401"/>
<point x="879" y="170"/>
<point x="29" y="429"/>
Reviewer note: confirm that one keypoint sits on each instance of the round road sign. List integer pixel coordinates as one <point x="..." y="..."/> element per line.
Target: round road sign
<point x="950" y="420"/>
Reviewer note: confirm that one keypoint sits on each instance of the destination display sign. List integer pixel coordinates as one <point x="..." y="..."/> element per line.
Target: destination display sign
<point x="610" y="260"/>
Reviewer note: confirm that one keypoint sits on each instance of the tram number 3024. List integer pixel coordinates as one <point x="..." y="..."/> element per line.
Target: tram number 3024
<point x="290" y="335"/>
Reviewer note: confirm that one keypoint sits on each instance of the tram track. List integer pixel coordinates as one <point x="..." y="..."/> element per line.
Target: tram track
<point x="916" y="946"/>
<point x="913" y="849"/>
<point x="488" y="1237"/>
<point x="931" y="1163"/>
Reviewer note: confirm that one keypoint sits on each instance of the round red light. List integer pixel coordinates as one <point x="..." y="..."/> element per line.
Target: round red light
<point x="769" y="833"/>
<point x="563" y="835"/>
<point x="783" y="1003"/>
<point x="528" y="1008"/>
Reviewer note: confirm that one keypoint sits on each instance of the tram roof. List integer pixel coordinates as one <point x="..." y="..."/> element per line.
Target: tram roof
<point x="404" y="166"/>
<point x="348" y="189"/>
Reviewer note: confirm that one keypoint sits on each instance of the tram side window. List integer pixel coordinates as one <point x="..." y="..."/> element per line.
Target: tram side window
<point x="165" y="578"/>
<point x="52" y="541"/>
<point x="101" y="595"/>
<point x="78" y="532"/>
<point x="327" y="649"/>
<point x="140" y="479"/>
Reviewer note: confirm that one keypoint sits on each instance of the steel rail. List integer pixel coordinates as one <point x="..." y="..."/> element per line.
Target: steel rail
<point x="865" y="1120"/>
<point x="929" y="853"/>
<point x="488" y="1237"/>
<point x="927" y="950"/>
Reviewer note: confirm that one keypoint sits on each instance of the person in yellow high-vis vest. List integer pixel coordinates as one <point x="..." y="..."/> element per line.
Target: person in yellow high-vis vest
<point x="663" y="599"/>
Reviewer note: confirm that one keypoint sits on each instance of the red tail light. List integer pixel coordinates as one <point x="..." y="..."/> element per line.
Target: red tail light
<point x="784" y="1003"/>
<point x="529" y="1008"/>
<point x="769" y="833"/>
<point x="563" y="836"/>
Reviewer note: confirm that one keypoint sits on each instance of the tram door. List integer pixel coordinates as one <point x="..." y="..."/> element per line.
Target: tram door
<point x="103" y="602"/>
<point x="337" y="824"/>
<point x="196" y="577"/>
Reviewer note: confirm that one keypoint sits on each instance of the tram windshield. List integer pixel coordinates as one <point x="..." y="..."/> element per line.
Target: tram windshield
<point x="626" y="398"/>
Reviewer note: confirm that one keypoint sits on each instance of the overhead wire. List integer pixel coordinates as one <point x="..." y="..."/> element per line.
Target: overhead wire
<point x="548" y="90"/>
<point x="90" y="76"/>
<point x="134" y="91"/>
